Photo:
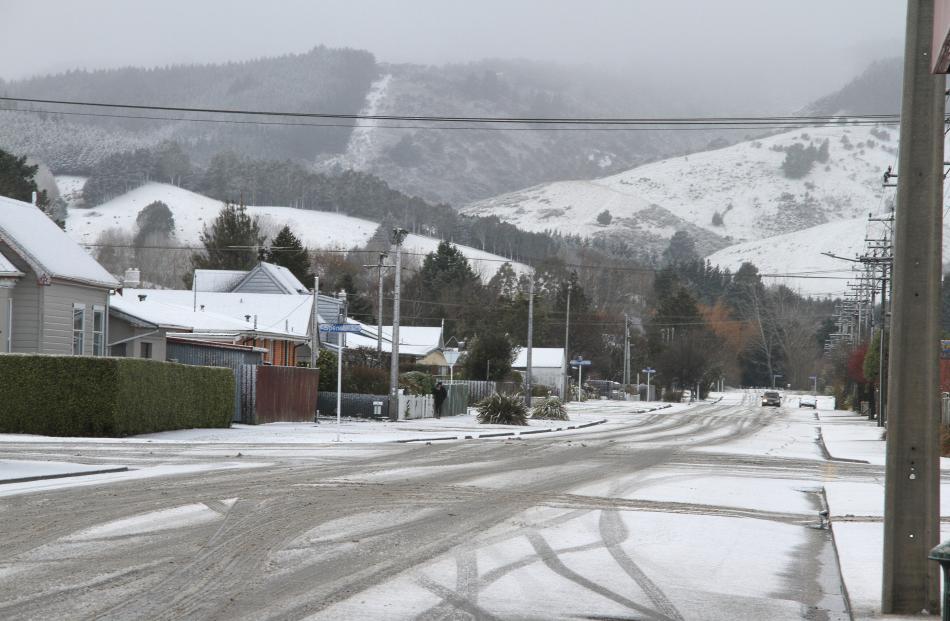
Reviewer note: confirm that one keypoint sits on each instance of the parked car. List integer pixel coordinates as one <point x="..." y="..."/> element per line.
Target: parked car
<point x="808" y="401"/>
<point x="771" y="397"/>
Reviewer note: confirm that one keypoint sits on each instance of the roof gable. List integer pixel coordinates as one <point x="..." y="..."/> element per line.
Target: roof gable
<point x="46" y="248"/>
<point x="8" y="269"/>
<point x="270" y="278"/>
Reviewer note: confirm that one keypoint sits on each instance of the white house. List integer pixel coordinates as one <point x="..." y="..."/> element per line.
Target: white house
<point x="545" y="364"/>
<point x="54" y="297"/>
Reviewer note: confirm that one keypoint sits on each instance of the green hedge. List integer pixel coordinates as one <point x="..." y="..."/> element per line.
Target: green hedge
<point x="114" y="397"/>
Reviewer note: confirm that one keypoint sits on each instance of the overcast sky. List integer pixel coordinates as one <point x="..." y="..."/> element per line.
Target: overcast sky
<point x="805" y="47"/>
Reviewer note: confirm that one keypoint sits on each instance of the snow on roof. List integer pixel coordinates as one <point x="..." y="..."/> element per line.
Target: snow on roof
<point x="218" y="280"/>
<point x="276" y="313"/>
<point x="541" y="357"/>
<point x="413" y="340"/>
<point x="7" y="268"/>
<point x="32" y="235"/>
<point x="284" y="277"/>
<point x="165" y="315"/>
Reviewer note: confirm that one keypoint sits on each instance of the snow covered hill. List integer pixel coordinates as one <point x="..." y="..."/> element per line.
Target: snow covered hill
<point x="722" y="197"/>
<point x="316" y="229"/>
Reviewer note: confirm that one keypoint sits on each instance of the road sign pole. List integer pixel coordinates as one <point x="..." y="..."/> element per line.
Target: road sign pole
<point x="580" y="381"/>
<point x="912" y="470"/>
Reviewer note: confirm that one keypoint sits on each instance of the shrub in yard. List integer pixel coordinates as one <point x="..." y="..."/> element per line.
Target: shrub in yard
<point x="537" y="390"/>
<point x="500" y="409"/>
<point x="365" y="381"/>
<point x="83" y="396"/>
<point x="550" y="409"/>
<point x="673" y="396"/>
<point x="417" y="383"/>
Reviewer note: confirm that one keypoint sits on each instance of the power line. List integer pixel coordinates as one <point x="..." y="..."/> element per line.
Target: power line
<point x="736" y="127"/>
<point x="474" y="119"/>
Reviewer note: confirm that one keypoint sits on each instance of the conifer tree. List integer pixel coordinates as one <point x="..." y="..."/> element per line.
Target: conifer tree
<point x="230" y="242"/>
<point x="287" y="251"/>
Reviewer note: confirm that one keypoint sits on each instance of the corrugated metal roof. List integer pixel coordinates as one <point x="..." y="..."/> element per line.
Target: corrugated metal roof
<point x="37" y="240"/>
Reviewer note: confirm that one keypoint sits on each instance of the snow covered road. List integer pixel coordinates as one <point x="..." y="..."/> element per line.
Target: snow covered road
<point x="701" y="513"/>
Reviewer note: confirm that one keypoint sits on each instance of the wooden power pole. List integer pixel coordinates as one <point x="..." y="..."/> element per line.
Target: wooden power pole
<point x="912" y="474"/>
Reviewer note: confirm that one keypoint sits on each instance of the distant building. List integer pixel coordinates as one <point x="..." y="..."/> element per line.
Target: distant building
<point x="54" y="297"/>
<point x="264" y="278"/>
<point x="545" y="364"/>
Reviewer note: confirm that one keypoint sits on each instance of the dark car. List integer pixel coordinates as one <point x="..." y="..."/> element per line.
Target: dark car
<point x="808" y="401"/>
<point x="771" y="397"/>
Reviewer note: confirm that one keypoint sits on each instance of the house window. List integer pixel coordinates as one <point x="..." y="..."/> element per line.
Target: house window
<point x="98" y="331"/>
<point x="79" y="328"/>
<point x="146" y="350"/>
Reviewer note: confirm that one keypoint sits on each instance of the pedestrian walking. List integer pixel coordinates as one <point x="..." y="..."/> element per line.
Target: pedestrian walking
<point x="439" y="393"/>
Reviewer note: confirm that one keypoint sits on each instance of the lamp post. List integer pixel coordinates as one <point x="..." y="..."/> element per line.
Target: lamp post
<point x="339" y="364"/>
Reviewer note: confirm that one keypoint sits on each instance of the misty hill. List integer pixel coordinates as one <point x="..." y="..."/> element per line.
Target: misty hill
<point x="752" y="190"/>
<point x="322" y="79"/>
<point x="876" y="91"/>
<point x="454" y="166"/>
<point x="460" y="165"/>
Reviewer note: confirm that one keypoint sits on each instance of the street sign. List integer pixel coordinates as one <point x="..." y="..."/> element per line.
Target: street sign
<point x="340" y="327"/>
<point x="451" y="356"/>
<point x="649" y="370"/>
<point x="580" y="363"/>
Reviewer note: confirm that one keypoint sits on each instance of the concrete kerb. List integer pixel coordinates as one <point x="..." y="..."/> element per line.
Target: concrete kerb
<point x="503" y="434"/>
<point x="63" y="475"/>
<point x="834" y="546"/>
<point x="820" y="440"/>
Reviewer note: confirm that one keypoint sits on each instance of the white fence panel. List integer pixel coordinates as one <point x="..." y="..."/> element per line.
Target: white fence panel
<point x="415" y="406"/>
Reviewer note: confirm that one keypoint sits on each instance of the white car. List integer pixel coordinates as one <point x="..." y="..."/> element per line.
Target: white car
<point x="808" y="401"/>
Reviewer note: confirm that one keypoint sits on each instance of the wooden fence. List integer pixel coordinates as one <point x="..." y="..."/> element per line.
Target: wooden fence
<point x="272" y="394"/>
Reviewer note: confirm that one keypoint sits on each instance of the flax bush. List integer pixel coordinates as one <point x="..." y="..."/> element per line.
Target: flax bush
<point x="502" y="410"/>
<point x="550" y="409"/>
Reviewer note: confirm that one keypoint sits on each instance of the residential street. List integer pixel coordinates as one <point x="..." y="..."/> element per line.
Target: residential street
<point x="709" y="512"/>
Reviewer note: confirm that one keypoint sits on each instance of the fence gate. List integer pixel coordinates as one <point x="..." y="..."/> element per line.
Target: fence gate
<point x="278" y="394"/>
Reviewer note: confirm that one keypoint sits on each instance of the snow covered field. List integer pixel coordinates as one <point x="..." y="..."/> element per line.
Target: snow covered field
<point x="316" y="229"/>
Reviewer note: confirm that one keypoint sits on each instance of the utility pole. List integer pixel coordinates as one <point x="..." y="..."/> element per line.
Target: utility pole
<point x="399" y="235"/>
<point x="379" y="307"/>
<point x="527" y="375"/>
<point x="565" y="378"/>
<point x="341" y="342"/>
<point x="912" y="474"/>
<point x="315" y="325"/>
<point x="881" y="375"/>
<point x="626" y="352"/>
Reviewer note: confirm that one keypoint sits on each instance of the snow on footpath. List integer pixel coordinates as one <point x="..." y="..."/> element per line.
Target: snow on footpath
<point x="16" y="471"/>
<point x="465" y="427"/>
<point x="857" y="507"/>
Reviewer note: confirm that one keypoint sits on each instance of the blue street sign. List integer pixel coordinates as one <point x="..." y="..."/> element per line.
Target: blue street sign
<point x="340" y="327"/>
<point x="649" y="370"/>
<point x="580" y="363"/>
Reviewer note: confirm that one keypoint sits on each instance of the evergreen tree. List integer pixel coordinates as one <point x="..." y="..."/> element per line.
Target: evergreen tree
<point x="155" y="219"/>
<point x="488" y="357"/>
<point x="287" y="251"/>
<point x="682" y="248"/>
<point x="16" y="177"/>
<point x="231" y="242"/>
